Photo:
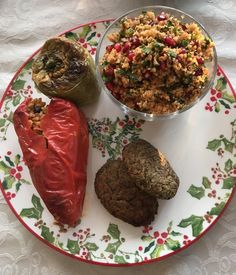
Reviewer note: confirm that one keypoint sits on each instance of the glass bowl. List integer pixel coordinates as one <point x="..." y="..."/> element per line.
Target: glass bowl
<point x="115" y="26"/>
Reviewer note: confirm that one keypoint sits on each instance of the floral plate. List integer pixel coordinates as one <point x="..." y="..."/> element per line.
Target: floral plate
<point x="200" y="145"/>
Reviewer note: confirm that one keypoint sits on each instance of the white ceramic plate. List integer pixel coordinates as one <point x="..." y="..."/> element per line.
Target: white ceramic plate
<point x="200" y="145"/>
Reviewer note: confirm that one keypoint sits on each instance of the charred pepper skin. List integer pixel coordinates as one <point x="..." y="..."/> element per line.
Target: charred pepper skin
<point x="57" y="159"/>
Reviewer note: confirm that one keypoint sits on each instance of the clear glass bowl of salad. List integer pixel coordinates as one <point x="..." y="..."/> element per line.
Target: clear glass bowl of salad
<point x="156" y="62"/>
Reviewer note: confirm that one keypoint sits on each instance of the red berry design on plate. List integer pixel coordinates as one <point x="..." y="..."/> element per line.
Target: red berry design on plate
<point x="160" y="241"/>
<point x="12" y="171"/>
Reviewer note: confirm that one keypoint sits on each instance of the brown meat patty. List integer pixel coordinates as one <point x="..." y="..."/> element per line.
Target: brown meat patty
<point x="121" y="197"/>
<point x="150" y="169"/>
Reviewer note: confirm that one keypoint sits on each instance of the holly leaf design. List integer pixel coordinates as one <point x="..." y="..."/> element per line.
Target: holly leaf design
<point x="217" y="209"/>
<point x="196" y="192"/>
<point x="228" y="97"/>
<point x="91" y="36"/>
<point x="120" y="259"/>
<point x="214" y="144"/>
<point x="10" y="117"/>
<point x="73" y="246"/>
<point x="196" y="223"/>
<point x="8" y="182"/>
<point x="221" y="84"/>
<point x="228" y="165"/>
<point x="229" y="146"/>
<point x="114" y="231"/>
<point x="28" y="65"/>
<point x="91" y="246"/>
<point x="16" y="100"/>
<point x="206" y="183"/>
<point x="36" y="203"/>
<point x="113" y="247"/>
<point x="2" y="122"/>
<point x="172" y="244"/>
<point x="146" y="238"/>
<point x="30" y="213"/>
<point x="157" y="251"/>
<point x="149" y="247"/>
<point x="18" y="185"/>
<point x="9" y="161"/>
<point x="47" y="235"/>
<point x="174" y="233"/>
<point x="25" y="181"/>
<point x="226" y="105"/>
<point x="71" y="35"/>
<point x="93" y="43"/>
<point x="5" y="168"/>
<point x="217" y="107"/>
<point x="85" y="31"/>
<point x="18" y="85"/>
<point x="17" y="159"/>
<point x="229" y="183"/>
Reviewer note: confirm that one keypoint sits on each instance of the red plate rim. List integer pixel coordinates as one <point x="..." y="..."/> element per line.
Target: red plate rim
<point x="90" y="261"/>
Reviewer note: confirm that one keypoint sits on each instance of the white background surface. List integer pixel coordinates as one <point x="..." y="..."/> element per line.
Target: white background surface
<point x="24" y="26"/>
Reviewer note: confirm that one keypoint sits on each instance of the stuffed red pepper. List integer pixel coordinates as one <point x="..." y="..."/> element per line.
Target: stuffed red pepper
<point x="54" y="142"/>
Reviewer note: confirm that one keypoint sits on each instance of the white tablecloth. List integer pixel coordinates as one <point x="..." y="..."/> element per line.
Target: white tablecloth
<point x="24" y="26"/>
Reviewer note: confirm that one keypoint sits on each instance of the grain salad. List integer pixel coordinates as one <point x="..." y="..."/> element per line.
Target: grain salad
<point x="156" y="63"/>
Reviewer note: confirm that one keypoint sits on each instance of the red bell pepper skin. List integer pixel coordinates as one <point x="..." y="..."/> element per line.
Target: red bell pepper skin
<point x="57" y="159"/>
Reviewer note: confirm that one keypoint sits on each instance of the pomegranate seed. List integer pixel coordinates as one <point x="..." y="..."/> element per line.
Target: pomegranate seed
<point x="131" y="56"/>
<point x="199" y="72"/>
<point x="147" y="75"/>
<point x="183" y="51"/>
<point x="179" y="58"/>
<point x="109" y="48"/>
<point x="110" y="86"/>
<point x="135" y="41"/>
<point x="200" y="61"/>
<point x="162" y="65"/>
<point x="126" y="47"/>
<point x="170" y="41"/>
<point x="117" y="47"/>
<point x="161" y="17"/>
<point x="109" y="71"/>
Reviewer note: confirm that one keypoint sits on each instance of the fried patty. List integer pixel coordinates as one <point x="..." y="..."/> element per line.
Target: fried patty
<point x="121" y="197"/>
<point x="150" y="169"/>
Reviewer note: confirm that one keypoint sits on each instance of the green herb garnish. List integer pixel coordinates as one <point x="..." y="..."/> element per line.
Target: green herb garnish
<point x="172" y="54"/>
<point x="146" y="49"/>
<point x="184" y="43"/>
